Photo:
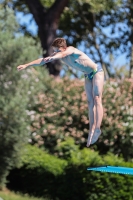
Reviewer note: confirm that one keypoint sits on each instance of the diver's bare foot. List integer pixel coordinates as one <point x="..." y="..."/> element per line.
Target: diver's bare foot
<point x="96" y="135"/>
<point x="90" y="135"/>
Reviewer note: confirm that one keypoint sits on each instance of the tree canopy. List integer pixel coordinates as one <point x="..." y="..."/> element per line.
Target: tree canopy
<point x="103" y="29"/>
<point x="15" y="91"/>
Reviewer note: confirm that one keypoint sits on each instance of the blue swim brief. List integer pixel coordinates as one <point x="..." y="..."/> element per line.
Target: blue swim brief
<point x="91" y="75"/>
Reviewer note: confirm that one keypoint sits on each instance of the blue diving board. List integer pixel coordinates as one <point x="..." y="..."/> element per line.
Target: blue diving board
<point x="113" y="169"/>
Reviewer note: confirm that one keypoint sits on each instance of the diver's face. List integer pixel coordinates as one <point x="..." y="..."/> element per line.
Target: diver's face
<point x="58" y="49"/>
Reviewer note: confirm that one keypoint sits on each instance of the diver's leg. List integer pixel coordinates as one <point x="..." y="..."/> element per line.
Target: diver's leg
<point x="91" y="108"/>
<point x="98" y="82"/>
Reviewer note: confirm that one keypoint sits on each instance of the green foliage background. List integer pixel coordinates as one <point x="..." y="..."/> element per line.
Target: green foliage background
<point x="14" y="93"/>
<point x="44" y="175"/>
<point x="61" y="111"/>
<point x="47" y="113"/>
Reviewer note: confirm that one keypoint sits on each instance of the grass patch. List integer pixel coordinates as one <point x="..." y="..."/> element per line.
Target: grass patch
<point x="8" y="195"/>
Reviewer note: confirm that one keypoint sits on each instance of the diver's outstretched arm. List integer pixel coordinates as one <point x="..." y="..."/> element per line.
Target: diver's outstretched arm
<point x="35" y="63"/>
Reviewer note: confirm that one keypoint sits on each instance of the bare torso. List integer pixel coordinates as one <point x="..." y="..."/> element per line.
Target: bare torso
<point x="79" y="61"/>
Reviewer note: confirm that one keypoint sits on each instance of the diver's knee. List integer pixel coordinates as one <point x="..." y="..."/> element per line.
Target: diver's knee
<point x="97" y="99"/>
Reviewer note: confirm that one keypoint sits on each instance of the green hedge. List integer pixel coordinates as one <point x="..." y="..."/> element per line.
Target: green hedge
<point x="45" y="175"/>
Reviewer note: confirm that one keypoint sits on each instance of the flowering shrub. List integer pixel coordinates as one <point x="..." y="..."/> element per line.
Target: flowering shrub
<point x="117" y="124"/>
<point x="61" y="111"/>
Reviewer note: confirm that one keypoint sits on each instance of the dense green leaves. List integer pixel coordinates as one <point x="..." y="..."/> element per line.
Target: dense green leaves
<point x="40" y="158"/>
<point x="72" y="180"/>
<point x="14" y="93"/>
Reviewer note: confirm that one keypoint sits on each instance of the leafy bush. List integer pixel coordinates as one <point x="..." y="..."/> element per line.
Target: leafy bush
<point x="15" y="92"/>
<point x="117" y="125"/>
<point x="43" y="175"/>
<point x="61" y="111"/>
<point x="38" y="172"/>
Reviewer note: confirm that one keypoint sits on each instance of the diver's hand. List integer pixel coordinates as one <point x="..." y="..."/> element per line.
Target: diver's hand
<point x="21" y="67"/>
<point x="47" y="59"/>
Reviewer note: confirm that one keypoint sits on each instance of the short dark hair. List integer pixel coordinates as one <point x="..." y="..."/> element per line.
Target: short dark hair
<point x="59" y="42"/>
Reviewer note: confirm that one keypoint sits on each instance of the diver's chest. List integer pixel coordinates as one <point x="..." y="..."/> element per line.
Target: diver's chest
<point x="69" y="61"/>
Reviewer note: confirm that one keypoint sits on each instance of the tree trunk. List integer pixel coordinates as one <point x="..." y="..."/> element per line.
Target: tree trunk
<point x="48" y="22"/>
